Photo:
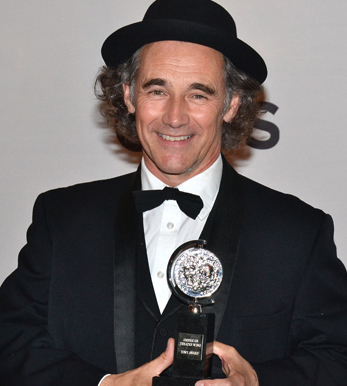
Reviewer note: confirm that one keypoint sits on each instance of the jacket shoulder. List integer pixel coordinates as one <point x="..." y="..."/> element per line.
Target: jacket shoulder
<point x="271" y="202"/>
<point x="92" y="187"/>
<point x="95" y="194"/>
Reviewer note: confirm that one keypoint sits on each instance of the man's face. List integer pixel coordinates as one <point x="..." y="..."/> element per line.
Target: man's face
<point x="179" y="101"/>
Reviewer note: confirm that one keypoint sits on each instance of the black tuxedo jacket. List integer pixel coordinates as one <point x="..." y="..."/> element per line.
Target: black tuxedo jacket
<point x="68" y="313"/>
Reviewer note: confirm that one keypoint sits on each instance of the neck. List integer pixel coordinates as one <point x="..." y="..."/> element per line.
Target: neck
<point x="177" y="179"/>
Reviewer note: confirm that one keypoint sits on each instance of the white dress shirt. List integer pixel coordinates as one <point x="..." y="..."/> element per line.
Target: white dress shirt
<point x="167" y="227"/>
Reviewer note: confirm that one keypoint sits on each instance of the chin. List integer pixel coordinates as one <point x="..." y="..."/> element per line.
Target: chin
<point x="176" y="169"/>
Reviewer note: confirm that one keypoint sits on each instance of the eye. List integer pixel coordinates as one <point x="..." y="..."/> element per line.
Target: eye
<point x="156" y="92"/>
<point x="199" y="96"/>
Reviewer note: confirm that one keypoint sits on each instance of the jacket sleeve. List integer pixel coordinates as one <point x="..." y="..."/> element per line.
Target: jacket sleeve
<point x="318" y="334"/>
<point x="28" y="355"/>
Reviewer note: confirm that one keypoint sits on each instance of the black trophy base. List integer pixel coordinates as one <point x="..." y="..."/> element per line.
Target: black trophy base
<point x="174" y="381"/>
<point x="193" y="333"/>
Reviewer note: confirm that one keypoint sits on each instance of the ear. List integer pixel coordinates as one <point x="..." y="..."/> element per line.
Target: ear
<point x="127" y="100"/>
<point x="232" y="110"/>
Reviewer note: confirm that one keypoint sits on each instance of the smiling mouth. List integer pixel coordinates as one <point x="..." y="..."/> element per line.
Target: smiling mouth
<point x="175" y="139"/>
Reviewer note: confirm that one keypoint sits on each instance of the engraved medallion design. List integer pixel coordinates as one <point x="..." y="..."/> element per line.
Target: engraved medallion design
<point x="197" y="272"/>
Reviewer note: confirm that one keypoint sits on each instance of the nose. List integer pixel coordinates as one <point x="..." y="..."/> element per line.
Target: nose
<point x="175" y="114"/>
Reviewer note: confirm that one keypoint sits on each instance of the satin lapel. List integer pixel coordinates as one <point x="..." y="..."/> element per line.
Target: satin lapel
<point x="223" y="232"/>
<point x="144" y="280"/>
<point x="126" y="236"/>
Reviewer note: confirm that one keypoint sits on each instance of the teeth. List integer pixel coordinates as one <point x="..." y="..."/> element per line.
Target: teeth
<point x="175" y="139"/>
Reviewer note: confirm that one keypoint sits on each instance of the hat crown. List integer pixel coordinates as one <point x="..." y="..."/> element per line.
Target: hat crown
<point x="205" y="12"/>
<point x="196" y="21"/>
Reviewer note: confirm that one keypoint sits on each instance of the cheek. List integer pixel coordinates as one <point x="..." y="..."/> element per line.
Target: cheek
<point x="211" y="123"/>
<point x="143" y="116"/>
<point x="208" y="113"/>
<point x="147" y="113"/>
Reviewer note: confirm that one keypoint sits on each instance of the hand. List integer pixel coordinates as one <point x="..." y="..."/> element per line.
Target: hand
<point x="143" y="375"/>
<point x="237" y="370"/>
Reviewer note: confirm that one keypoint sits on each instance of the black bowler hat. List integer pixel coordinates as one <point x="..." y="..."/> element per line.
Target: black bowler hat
<point x="196" y="21"/>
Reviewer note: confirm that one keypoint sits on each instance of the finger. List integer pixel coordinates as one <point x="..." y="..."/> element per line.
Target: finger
<point x="209" y="348"/>
<point x="225" y="353"/>
<point x="159" y="364"/>
<point x="169" y="352"/>
<point x="221" y="349"/>
<point x="228" y="355"/>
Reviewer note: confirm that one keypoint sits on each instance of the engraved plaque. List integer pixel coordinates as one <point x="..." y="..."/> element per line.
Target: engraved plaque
<point x="189" y="346"/>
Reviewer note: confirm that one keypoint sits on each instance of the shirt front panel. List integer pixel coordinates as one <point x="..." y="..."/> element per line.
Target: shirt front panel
<point x="167" y="227"/>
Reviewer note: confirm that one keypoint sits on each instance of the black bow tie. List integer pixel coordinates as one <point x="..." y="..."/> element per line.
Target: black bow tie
<point x="189" y="203"/>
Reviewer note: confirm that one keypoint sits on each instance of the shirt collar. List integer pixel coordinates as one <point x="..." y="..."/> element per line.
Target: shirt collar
<point x="206" y="184"/>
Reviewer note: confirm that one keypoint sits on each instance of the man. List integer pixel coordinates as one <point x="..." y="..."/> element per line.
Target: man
<point x="89" y="302"/>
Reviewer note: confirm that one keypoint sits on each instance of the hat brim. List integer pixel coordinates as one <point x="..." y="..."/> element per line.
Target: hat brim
<point x="123" y="43"/>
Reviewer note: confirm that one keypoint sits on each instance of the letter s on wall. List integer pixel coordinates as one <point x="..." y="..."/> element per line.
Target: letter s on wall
<point x="269" y="127"/>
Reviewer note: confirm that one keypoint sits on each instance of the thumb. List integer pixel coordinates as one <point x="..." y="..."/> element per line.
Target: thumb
<point x="165" y="359"/>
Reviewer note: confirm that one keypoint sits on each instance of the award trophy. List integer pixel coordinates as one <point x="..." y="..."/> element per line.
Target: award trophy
<point x="194" y="274"/>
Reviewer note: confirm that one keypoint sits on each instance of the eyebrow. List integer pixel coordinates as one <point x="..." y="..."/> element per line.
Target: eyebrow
<point x="203" y="88"/>
<point x="154" y="82"/>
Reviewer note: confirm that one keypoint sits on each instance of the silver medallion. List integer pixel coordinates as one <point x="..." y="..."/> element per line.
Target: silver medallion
<point x="194" y="271"/>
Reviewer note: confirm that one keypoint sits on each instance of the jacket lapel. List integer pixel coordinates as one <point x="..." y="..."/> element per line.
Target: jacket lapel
<point x="222" y="232"/>
<point x="143" y="278"/>
<point x="126" y="232"/>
